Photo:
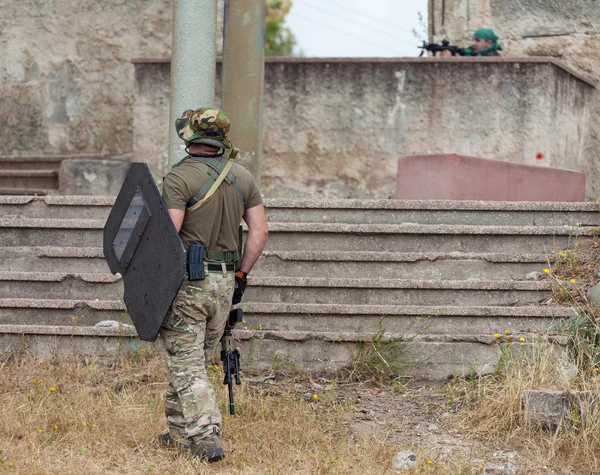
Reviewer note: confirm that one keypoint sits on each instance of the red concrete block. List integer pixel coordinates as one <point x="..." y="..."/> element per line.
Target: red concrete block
<point x="459" y="177"/>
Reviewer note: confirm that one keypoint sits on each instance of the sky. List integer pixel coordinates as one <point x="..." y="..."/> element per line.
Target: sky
<point x="359" y="28"/>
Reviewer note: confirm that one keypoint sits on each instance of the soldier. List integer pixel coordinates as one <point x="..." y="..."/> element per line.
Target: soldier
<point x="485" y="43"/>
<point x="199" y="313"/>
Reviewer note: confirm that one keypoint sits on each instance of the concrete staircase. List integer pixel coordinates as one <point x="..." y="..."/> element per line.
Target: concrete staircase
<point x="29" y="175"/>
<point x="441" y="276"/>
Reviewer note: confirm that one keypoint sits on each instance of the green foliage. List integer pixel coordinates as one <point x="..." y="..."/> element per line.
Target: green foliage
<point x="280" y="41"/>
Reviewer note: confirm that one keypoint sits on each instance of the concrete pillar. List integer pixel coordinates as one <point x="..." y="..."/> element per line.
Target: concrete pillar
<point x="243" y="78"/>
<point x="193" y="59"/>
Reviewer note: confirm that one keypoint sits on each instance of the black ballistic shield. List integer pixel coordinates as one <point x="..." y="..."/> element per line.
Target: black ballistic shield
<point x="142" y="244"/>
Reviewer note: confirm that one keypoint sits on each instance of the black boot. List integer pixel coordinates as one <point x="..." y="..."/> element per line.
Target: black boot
<point x="208" y="448"/>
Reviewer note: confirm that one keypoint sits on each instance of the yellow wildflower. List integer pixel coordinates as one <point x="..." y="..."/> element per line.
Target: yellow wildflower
<point x="506" y="331"/>
<point x="56" y="427"/>
<point x="546" y="271"/>
<point x="84" y="423"/>
<point x="496" y="335"/>
<point x="507" y="337"/>
<point x="324" y="444"/>
<point x="52" y="388"/>
<point x="561" y="253"/>
<point x="93" y="425"/>
<point x="429" y="462"/>
<point x="521" y="339"/>
<point x="572" y="281"/>
<point x="53" y="442"/>
<point x="40" y="431"/>
<point x="10" y="464"/>
<point x="568" y="251"/>
<point x="596" y="369"/>
<point x="315" y="396"/>
<point x="41" y="380"/>
<point x="41" y="361"/>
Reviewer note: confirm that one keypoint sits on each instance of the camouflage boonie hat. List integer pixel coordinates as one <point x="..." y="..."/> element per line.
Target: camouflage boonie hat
<point x="207" y="125"/>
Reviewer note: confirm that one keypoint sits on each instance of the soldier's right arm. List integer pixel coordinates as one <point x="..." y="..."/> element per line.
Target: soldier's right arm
<point x="256" y="220"/>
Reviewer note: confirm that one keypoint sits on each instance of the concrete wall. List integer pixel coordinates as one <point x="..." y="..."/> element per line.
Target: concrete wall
<point x="66" y="78"/>
<point x="567" y="30"/>
<point x="335" y="128"/>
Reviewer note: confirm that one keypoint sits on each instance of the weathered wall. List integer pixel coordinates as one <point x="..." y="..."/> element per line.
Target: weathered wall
<point x="66" y="78"/>
<point x="335" y="128"/>
<point x="568" y="30"/>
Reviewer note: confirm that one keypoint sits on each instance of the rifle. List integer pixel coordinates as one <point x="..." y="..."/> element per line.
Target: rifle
<point x="231" y="357"/>
<point x="445" y="46"/>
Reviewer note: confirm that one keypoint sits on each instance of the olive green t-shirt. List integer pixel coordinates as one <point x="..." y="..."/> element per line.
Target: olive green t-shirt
<point x="214" y="224"/>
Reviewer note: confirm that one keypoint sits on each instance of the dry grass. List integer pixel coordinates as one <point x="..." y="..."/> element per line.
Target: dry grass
<point x="75" y="418"/>
<point x="490" y="406"/>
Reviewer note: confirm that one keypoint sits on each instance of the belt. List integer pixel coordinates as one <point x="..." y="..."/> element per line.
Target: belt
<point x="217" y="267"/>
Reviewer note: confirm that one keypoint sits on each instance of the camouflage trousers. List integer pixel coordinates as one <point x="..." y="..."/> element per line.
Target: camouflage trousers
<point x="191" y="332"/>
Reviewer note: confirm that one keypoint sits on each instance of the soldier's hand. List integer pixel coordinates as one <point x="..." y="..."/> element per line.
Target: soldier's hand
<point x="445" y="53"/>
<point x="240" y="287"/>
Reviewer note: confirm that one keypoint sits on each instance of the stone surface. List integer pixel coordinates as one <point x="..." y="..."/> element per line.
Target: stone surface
<point x="565" y="30"/>
<point x="92" y="177"/>
<point x="550" y="409"/>
<point x="395" y="104"/>
<point x="458" y="177"/>
<point x="593" y="295"/>
<point x="66" y="78"/>
<point x="533" y="276"/>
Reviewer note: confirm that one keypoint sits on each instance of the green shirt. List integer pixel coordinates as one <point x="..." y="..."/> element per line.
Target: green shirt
<point x="215" y="224"/>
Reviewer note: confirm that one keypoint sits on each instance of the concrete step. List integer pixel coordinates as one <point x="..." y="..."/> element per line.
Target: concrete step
<point x="407" y="319"/>
<point x="327" y="237"/>
<point x="26" y="191"/>
<point x="53" y="259"/>
<point x="420" y="238"/>
<point x="425" y="355"/>
<point x="490" y="213"/>
<point x="29" y="179"/>
<point x="56" y="207"/>
<point x="399" y="265"/>
<point x="394" y="291"/>
<point x="69" y="312"/>
<point x="347" y="211"/>
<point x="61" y="285"/>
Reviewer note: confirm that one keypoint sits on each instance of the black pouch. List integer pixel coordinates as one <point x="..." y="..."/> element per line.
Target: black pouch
<point x="196" y="262"/>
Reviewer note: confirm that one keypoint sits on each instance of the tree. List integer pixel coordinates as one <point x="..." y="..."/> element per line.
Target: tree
<point x="280" y="41"/>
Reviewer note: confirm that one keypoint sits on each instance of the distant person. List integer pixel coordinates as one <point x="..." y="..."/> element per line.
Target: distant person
<point x="485" y="43"/>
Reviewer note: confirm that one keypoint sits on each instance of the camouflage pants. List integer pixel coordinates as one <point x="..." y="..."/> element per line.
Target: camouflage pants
<point x="191" y="332"/>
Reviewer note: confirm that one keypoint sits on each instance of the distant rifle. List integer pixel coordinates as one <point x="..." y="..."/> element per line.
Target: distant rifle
<point x="445" y="46"/>
<point x="231" y="357"/>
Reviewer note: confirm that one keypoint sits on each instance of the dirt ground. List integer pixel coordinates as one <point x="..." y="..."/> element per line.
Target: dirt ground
<point x="415" y="418"/>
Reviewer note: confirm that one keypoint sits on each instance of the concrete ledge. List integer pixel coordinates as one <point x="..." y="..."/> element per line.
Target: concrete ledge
<point x="63" y="304"/>
<point x="387" y="204"/>
<point x="52" y="223"/>
<point x="95" y="278"/>
<point x="478" y="60"/>
<point x="460" y="177"/>
<point x="409" y="228"/>
<point x="395" y="283"/>
<point x="291" y="336"/>
<point x="367" y="256"/>
<point x="410" y="310"/>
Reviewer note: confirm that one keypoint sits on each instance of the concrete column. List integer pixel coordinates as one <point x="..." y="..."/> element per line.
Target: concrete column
<point x="243" y="78"/>
<point x="193" y="60"/>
